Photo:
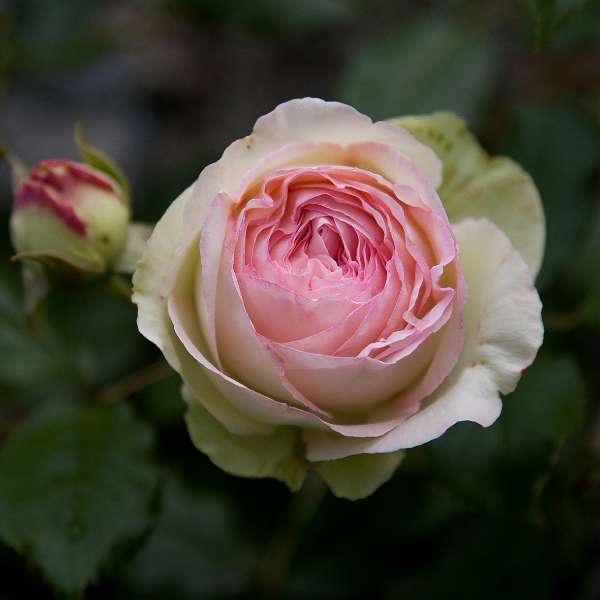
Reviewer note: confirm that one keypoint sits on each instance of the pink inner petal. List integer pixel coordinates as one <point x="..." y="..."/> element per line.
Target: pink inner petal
<point x="334" y="263"/>
<point x="332" y="260"/>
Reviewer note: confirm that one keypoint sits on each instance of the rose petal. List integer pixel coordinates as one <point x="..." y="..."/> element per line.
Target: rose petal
<point x="356" y="477"/>
<point x="306" y="120"/>
<point x="477" y="186"/>
<point x="503" y="333"/>
<point x="274" y="455"/>
<point x="151" y="278"/>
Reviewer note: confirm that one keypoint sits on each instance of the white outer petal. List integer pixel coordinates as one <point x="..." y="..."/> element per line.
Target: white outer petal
<point x="504" y="330"/>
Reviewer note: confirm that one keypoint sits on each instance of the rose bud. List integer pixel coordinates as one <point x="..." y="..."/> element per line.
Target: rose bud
<point x="71" y="218"/>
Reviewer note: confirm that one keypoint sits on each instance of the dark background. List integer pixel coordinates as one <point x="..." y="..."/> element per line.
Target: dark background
<point x="116" y="498"/>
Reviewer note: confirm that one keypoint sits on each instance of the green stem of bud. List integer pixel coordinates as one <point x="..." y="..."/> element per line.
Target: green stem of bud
<point x="277" y="559"/>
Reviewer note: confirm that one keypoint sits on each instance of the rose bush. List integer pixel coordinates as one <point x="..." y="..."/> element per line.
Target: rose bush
<point x="334" y="291"/>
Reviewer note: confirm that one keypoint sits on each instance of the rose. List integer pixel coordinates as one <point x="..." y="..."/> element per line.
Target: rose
<point x="326" y="309"/>
<point x="70" y="217"/>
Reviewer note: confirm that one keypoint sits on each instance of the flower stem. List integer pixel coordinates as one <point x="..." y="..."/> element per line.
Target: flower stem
<point x="134" y="382"/>
<point x="277" y="559"/>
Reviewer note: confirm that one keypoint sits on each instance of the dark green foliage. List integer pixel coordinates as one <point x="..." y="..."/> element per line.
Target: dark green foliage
<point x="195" y="550"/>
<point x="505" y="468"/>
<point x="550" y="17"/>
<point x="542" y="137"/>
<point x="456" y="68"/>
<point x="76" y="490"/>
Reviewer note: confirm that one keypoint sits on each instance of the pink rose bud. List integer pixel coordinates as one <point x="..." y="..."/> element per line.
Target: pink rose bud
<point x="70" y="217"/>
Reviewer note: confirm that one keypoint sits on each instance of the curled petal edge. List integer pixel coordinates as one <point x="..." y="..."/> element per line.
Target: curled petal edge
<point x="503" y="331"/>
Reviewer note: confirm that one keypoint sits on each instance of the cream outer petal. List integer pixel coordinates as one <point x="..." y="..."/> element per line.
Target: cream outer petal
<point x="151" y="278"/>
<point x="356" y="477"/>
<point x="305" y="120"/>
<point x="503" y="331"/>
<point x="478" y="186"/>
<point x="151" y="287"/>
<point x="273" y="455"/>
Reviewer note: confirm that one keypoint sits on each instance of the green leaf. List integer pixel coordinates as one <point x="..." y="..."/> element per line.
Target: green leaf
<point x="30" y="355"/>
<point x="547" y="407"/>
<point x="543" y="16"/>
<point x="99" y="160"/>
<point x="276" y="455"/>
<point x="51" y="42"/>
<point x="271" y="16"/>
<point x="581" y="280"/>
<point x="550" y="17"/>
<point x="161" y="402"/>
<point x="559" y="150"/>
<point x="428" y="65"/>
<point x="196" y="550"/>
<point x="99" y="332"/>
<point x="356" y="477"/>
<point x="502" y="467"/>
<point x="76" y="486"/>
<point x="486" y="558"/>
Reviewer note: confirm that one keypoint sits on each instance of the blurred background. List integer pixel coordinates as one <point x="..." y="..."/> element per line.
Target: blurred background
<point x="121" y="504"/>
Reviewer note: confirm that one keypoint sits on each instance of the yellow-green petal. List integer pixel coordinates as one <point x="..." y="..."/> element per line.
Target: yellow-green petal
<point x="476" y="185"/>
<point x="278" y="454"/>
<point x="356" y="477"/>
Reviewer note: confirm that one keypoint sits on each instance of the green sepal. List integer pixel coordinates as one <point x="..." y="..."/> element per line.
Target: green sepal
<point x="68" y="270"/>
<point x="476" y="185"/>
<point x="100" y="160"/>
<point x="19" y="170"/>
<point x="356" y="477"/>
<point x="278" y="454"/>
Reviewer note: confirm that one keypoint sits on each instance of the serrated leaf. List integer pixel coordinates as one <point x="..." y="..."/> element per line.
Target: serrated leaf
<point x="427" y="65"/>
<point x="76" y="485"/>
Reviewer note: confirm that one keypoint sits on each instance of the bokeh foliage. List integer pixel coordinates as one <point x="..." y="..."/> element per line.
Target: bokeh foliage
<point x="102" y="490"/>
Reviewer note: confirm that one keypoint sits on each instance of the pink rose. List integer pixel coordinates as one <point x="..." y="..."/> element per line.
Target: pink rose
<point x="323" y="306"/>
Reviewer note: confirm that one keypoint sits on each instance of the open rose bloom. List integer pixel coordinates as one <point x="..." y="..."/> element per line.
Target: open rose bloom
<point x="333" y="291"/>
